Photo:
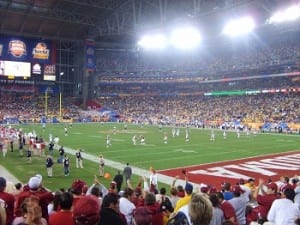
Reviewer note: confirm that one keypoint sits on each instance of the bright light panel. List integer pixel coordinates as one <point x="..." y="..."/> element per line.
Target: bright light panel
<point x="156" y="41"/>
<point x="239" y="27"/>
<point x="185" y="38"/>
<point x="289" y="14"/>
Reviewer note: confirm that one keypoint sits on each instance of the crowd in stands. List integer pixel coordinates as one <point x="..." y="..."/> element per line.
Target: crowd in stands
<point x="194" y="87"/>
<point x="193" y="109"/>
<point x="20" y="107"/>
<point x="243" y="203"/>
<point x="169" y="110"/>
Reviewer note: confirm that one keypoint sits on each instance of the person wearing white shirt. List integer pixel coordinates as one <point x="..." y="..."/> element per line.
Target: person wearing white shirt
<point x="153" y="180"/>
<point x="126" y="206"/>
<point x="283" y="211"/>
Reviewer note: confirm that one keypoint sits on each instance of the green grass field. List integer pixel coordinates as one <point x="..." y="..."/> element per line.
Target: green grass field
<point x="176" y="153"/>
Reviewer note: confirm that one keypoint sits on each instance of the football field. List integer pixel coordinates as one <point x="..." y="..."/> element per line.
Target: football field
<point x="167" y="155"/>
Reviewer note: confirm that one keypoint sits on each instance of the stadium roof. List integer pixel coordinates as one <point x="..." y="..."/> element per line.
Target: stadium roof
<point x="117" y="21"/>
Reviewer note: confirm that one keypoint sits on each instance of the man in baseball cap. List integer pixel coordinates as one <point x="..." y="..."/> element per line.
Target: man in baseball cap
<point x="265" y="195"/>
<point x="87" y="211"/>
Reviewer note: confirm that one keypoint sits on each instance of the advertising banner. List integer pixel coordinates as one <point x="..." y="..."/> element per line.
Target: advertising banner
<point x="90" y="55"/>
<point x="27" y="50"/>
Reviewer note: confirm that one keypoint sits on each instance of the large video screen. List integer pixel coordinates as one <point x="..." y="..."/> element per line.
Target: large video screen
<point x="15" y="69"/>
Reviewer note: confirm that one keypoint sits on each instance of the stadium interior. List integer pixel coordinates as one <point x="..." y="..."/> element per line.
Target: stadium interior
<point x="201" y="93"/>
<point x="137" y="54"/>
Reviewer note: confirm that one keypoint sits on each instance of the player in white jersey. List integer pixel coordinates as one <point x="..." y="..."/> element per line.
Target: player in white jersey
<point x="187" y="135"/>
<point x="165" y="138"/>
<point x="177" y="132"/>
<point x="142" y="140"/>
<point x="247" y="131"/>
<point x="160" y="127"/>
<point x="134" y="139"/>
<point x="66" y="130"/>
<point x="224" y="134"/>
<point x="108" y="141"/>
<point x="212" y="135"/>
<point x="56" y="141"/>
<point x="173" y="132"/>
<point x="238" y="133"/>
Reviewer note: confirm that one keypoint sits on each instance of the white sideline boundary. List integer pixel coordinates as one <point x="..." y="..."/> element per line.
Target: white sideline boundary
<point x="135" y="170"/>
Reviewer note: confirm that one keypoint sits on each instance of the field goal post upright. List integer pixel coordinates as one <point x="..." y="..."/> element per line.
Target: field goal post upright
<point x="46" y="103"/>
<point x="60" y="106"/>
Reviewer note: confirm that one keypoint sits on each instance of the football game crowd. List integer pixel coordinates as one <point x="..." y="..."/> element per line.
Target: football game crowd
<point x="122" y="203"/>
<point x="191" y="109"/>
<point x="171" y="110"/>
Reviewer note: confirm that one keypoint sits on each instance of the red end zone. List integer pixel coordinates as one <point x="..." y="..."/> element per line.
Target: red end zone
<point x="267" y="167"/>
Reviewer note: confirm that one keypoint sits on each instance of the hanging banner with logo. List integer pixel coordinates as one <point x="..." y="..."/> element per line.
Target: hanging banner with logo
<point x="90" y="55"/>
<point x="23" y="49"/>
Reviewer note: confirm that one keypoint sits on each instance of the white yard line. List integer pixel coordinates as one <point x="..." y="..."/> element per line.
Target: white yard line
<point x="135" y="170"/>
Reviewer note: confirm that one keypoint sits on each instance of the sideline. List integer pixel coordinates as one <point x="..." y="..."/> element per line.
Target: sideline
<point x="116" y="165"/>
<point x="135" y="170"/>
<point x="8" y="176"/>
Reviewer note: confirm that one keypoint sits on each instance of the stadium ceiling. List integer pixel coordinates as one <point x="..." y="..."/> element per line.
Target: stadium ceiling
<point x="115" y="21"/>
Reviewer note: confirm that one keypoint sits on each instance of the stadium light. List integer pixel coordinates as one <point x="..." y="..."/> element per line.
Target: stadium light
<point x="186" y="38"/>
<point x="239" y="27"/>
<point x="156" y="41"/>
<point x="290" y="14"/>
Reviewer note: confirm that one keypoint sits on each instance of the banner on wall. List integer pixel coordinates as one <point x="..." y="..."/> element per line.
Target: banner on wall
<point x="23" y="49"/>
<point x="90" y="55"/>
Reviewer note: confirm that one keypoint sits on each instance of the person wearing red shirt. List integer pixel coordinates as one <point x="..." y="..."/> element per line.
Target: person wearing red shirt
<point x="8" y="200"/>
<point x="154" y="208"/>
<point x="65" y="215"/>
<point x="36" y="189"/>
<point x="227" y="208"/>
<point x="265" y="198"/>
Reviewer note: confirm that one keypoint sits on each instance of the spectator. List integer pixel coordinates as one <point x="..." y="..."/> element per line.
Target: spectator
<point x="218" y="215"/>
<point x="227" y="208"/>
<point x="227" y="193"/>
<point x="78" y="190"/>
<point x="126" y="205"/>
<point x="2" y="214"/>
<point x="110" y="211"/>
<point x="7" y="201"/>
<point x="283" y="211"/>
<point x="142" y="216"/>
<point x="36" y="189"/>
<point x="87" y="211"/>
<point x="31" y="212"/>
<point x="239" y="204"/>
<point x="187" y="198"/>
<point x="200" y="210"/>
<point x="265" y="198"/>
<point x="154" y="208"/>
<point x="64" y="216"/>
